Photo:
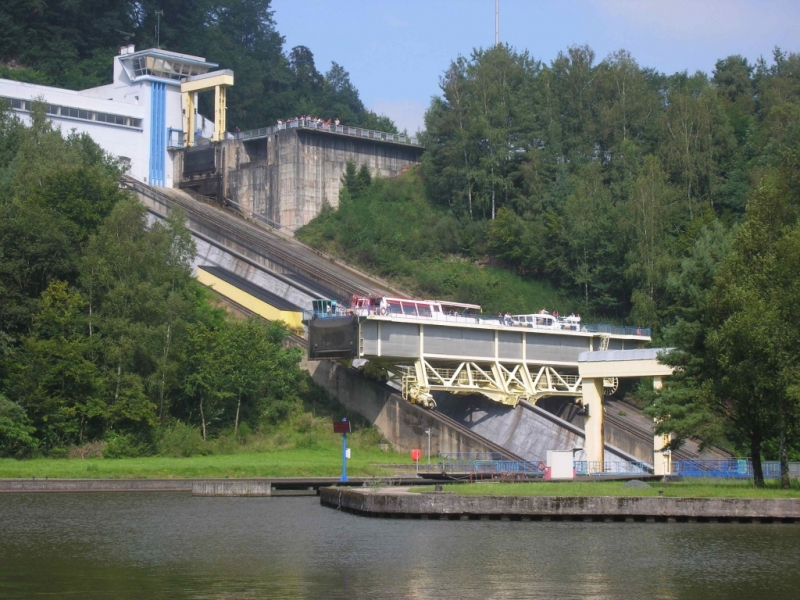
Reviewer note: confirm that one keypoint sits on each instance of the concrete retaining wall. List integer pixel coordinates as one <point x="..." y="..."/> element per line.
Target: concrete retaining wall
<point x="388" y="503"/>
<point x="288" y="176"/>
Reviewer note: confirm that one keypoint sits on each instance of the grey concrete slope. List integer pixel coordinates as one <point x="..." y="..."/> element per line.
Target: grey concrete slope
<point x="526" y="430"/>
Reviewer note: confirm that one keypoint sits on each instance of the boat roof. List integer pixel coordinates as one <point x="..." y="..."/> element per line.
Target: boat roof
<point x="459" y="304"/>
<point x="442" y="302"/>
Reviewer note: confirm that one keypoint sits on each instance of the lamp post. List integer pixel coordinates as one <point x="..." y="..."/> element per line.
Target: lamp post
<point x="428" y="431"/>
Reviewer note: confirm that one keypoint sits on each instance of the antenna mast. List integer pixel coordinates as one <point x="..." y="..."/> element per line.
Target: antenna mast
<point x="496" y="22"/>
<point x="159" y="14"/>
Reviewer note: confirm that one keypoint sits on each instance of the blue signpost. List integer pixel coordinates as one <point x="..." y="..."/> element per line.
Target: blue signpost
<point x="344" y="429"/>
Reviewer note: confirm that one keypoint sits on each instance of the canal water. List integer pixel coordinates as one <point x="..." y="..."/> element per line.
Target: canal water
<point x="172" y="545"/>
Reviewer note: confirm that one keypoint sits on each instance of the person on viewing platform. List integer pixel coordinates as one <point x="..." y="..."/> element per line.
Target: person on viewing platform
<point x="337" y="122"/>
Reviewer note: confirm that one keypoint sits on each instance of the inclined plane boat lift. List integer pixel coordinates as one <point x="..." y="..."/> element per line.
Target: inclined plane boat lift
<point x="432" y="345"/>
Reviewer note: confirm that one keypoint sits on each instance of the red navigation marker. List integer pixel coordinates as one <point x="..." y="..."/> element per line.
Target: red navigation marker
<point x="416" y="454"/>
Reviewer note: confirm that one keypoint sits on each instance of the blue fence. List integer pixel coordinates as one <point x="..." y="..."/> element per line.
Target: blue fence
<point x="621" y="467"/>
<point x="735" y="468"/>
<point x="507" y="466"/>
<point x="485" y="462"/>
<point x="469" y="456"/>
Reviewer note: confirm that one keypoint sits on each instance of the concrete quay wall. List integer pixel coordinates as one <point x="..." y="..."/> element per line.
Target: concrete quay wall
<point x="388" y="503"/>
<point x="232" y="488"/>
<point x="95" y="485"/>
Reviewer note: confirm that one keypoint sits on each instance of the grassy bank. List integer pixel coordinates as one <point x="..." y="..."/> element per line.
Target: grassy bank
<point x="702" y="488"/>
<point x="298" y="462"/>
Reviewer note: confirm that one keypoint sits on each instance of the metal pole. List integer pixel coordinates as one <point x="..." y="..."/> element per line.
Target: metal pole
<point x="344" y="455"/>
<point x="428" y="431"/>
<point x="159" y="14"/>
<point x="496" y="22"/>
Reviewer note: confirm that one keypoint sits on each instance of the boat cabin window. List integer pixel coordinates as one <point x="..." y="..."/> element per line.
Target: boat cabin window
<point x="409" y="309"/>
<point x="394" y="308"/>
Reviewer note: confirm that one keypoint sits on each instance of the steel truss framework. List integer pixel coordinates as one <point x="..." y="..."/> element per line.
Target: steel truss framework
<point x="503" y="383"/>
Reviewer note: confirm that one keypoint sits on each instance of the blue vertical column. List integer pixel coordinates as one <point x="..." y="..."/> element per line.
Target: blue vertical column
<point x="158" y="132"/>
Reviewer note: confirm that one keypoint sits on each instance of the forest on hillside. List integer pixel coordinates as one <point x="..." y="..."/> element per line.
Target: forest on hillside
<point x="71" y="44"/>
<point x="669" y="201"/>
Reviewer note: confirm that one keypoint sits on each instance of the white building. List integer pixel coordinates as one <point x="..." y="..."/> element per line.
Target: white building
<point x="138" y="117"/>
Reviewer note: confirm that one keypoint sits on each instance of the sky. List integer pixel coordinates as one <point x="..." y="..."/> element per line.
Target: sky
<point x="396" y="50"/>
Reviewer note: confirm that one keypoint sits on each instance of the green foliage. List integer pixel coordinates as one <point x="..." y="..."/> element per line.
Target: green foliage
<point x="16" y="434"/>
<point x="105" y="334"/>
<point x="389" y="227"/>
<point x="737" y="350"/>
<point x="180" y="440"/>
<point x="125" y="445"/>
<point x="597" y="176"/>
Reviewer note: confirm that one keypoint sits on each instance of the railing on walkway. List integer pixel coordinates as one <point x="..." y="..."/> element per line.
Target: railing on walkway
<point x="478" y="319"/>
<point x="470" y="456"/>
<point x="359" y="132"/>
<point x="622" y="467"/>
<point x="734" y="468"/>
<point x="174" y="138"/>
<point x="485" y="463"/>
<point x="617" y="329"/>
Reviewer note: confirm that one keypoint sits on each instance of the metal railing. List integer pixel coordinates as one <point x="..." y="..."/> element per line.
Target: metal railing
<point x="174" y="138"/>
<point x="485" y="463"/>
<point x="734" y="468"/>
<point x="617" y="329"/>
<point x="469" y="456"/>
<point x="360" y="132"/>
<point x="599" y="467"/>
<point x="479" y="319"/>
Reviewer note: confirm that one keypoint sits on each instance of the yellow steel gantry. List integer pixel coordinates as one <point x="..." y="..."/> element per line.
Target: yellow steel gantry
<point x="219" y="81"/>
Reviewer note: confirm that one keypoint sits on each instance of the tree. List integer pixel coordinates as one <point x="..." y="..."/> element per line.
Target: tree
<point x="54" y="378"/>
<point x="738" y="369"/>
<point x="16" y="433"/>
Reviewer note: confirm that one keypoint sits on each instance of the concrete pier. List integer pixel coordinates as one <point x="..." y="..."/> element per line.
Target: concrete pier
<point x="398" y="503"/>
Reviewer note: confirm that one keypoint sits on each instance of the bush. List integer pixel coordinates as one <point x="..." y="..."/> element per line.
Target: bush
<point x="125" y="445"/>
<point x="180" y="441"/>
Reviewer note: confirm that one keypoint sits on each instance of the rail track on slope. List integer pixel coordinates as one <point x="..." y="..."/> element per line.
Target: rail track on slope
<point x="286" y="252"/>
